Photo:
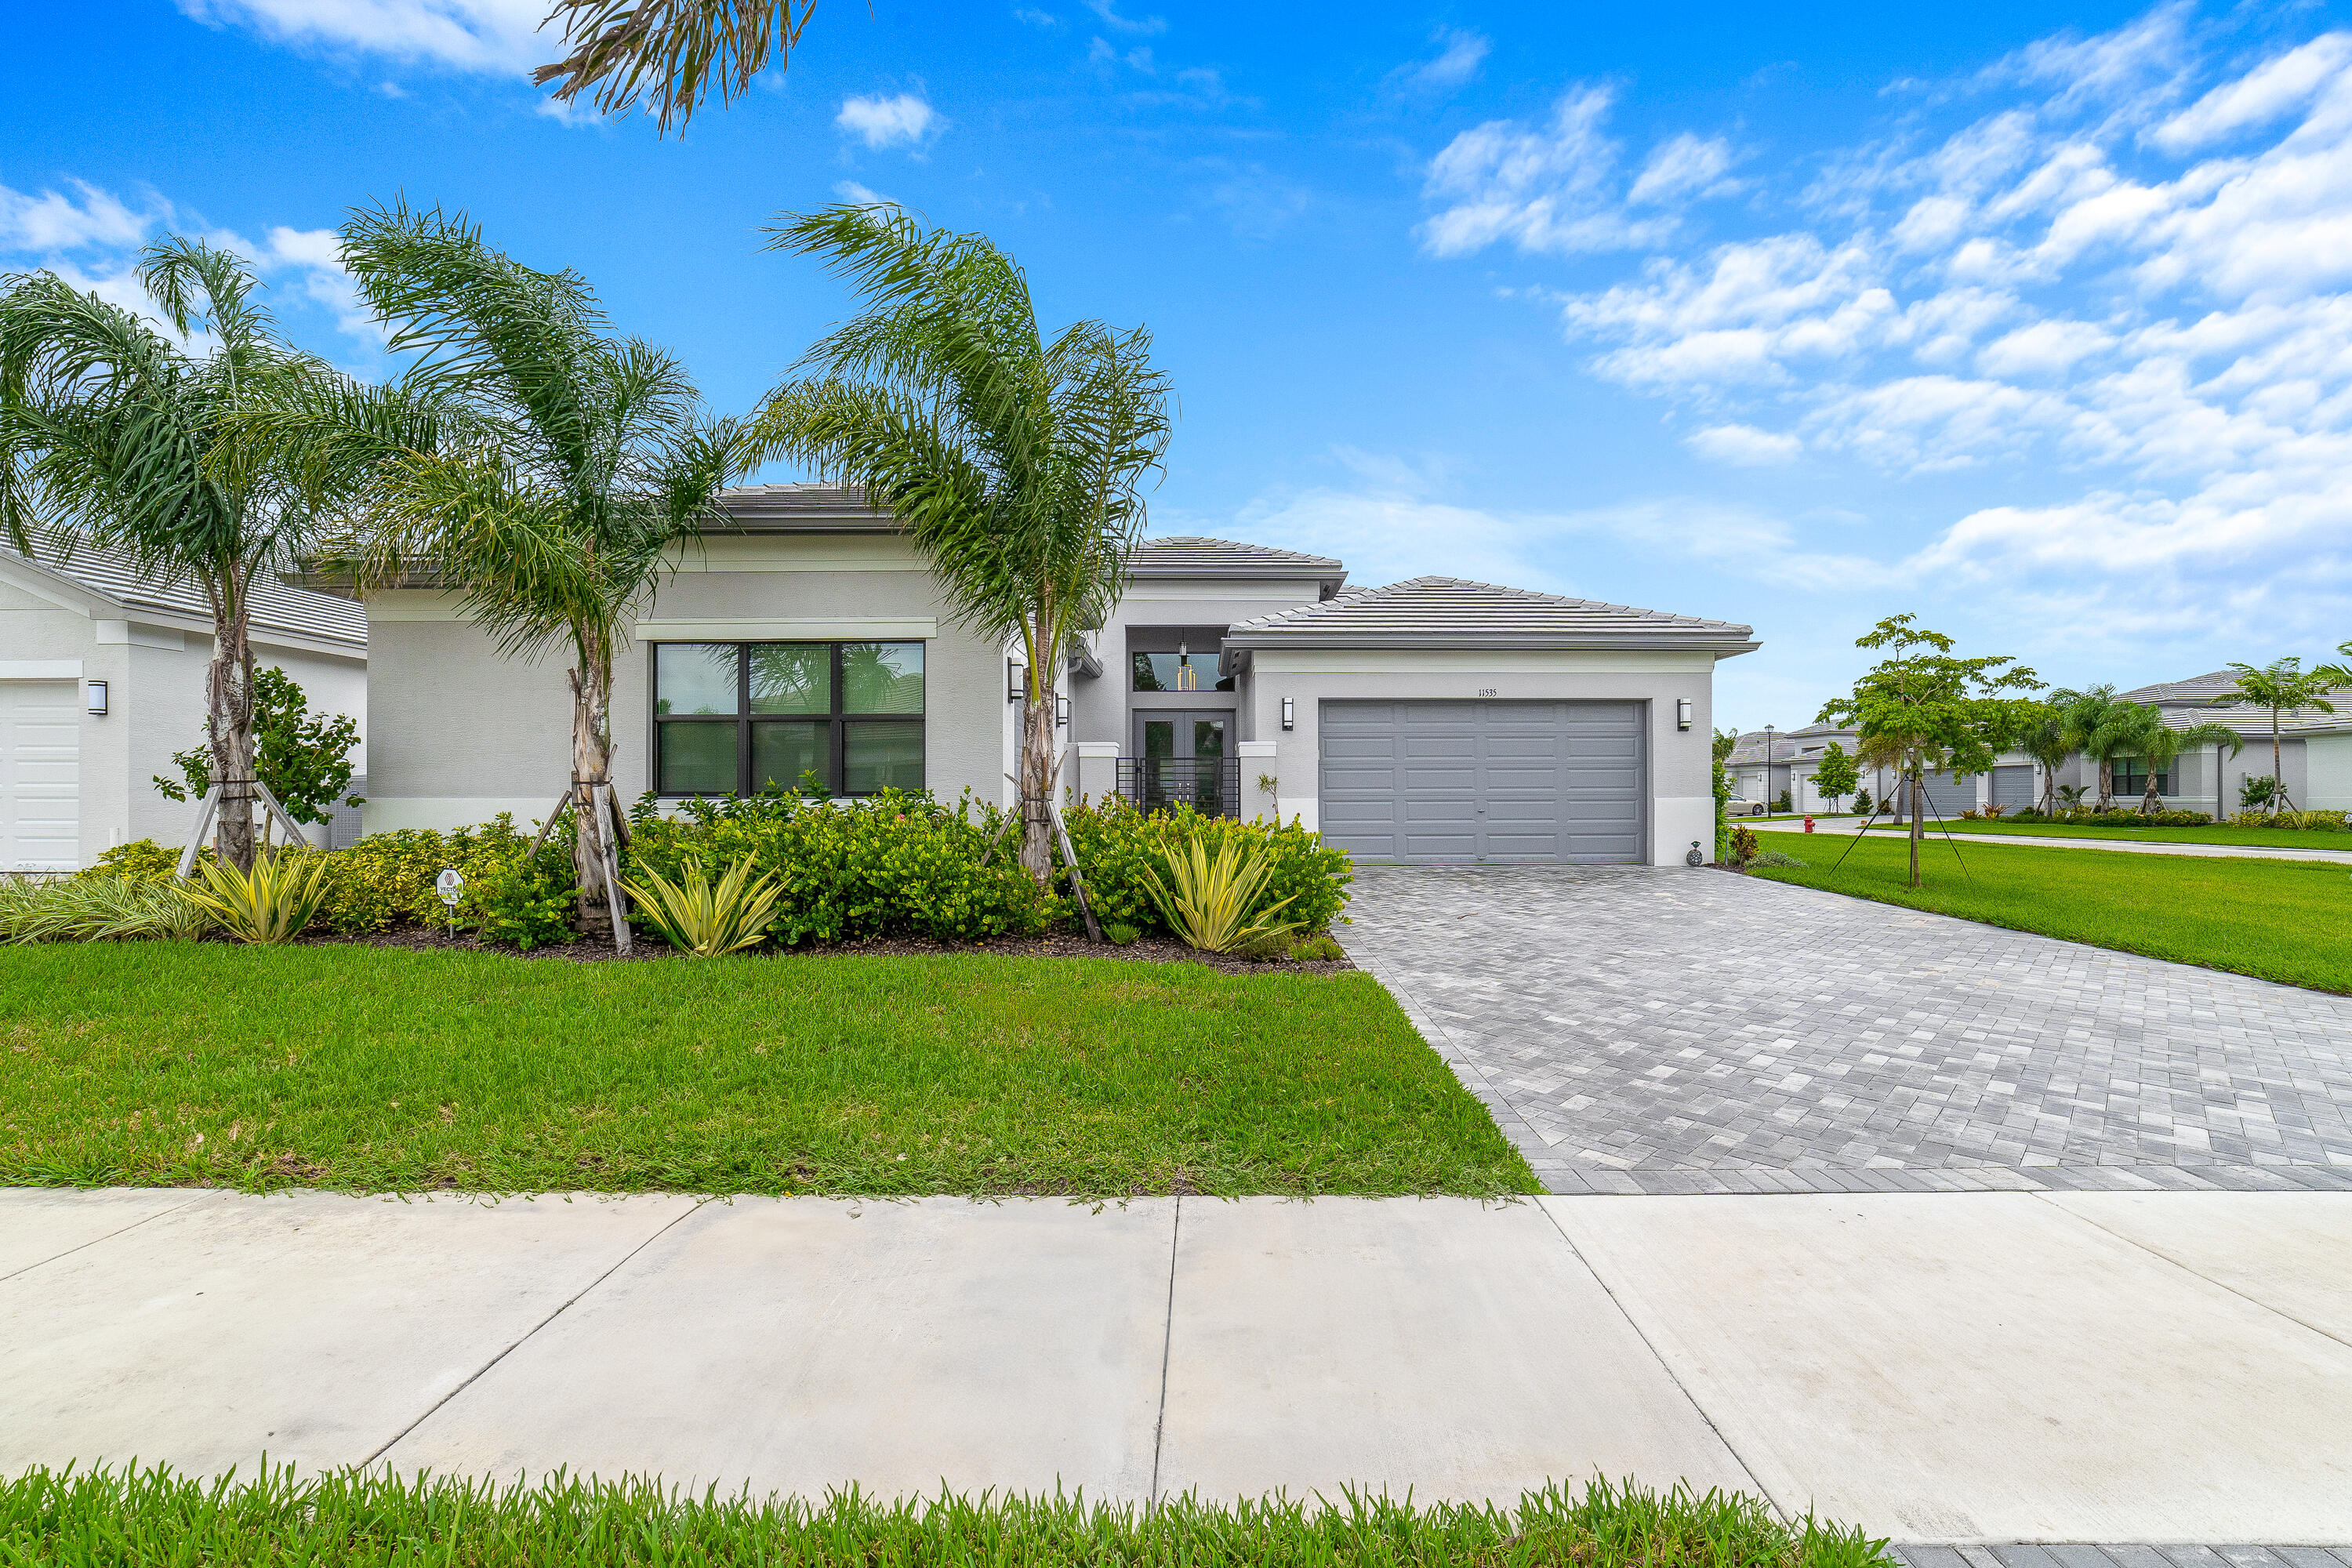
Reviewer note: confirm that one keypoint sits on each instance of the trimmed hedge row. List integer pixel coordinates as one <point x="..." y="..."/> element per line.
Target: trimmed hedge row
<point x="892" y="866"/>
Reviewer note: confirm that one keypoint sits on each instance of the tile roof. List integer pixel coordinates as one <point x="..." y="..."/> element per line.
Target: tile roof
<point x="1789" y="745"/>
<point x="1447" y="612"/>
<point x="1190" y="555"/>
<point x="821" y="509"/>
<point x="276" y="607"/>
<point x="2209" y="699"/>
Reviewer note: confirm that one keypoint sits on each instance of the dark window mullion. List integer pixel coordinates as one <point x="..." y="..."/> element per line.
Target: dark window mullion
<point x="742" y="719"/>
<point x="836" y="731"/>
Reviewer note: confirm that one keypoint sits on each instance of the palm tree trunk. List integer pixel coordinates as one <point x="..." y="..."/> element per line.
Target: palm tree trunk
<point x="1037" y="779"/>
<point x="228" y="716"/>
<point x="2278" y="772"/>
<point x="2106" y="784"/>
<point x="592" y="765"/>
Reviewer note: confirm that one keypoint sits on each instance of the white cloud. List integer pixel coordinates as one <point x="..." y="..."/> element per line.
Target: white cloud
<point x="1457" y="63"/>
<point x="1688" y="165"/>
<point x="1036" y="18"/>
<point x="1108" y="12"/>
<point x="2104" y="311"/>
<point x="1744" y="445"/>
<point x="901" y="121"/>
<point x="851" y="191"/>
<point x="51" y="222"/>
<point x="499" y="38"/>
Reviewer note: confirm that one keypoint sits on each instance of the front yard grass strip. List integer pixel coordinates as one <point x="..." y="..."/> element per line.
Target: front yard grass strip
<point x="2260" y="837"/>
<point x="2289" y="920"/>
<point x="369" y="1069"/>
<point x="350" y="1518"/>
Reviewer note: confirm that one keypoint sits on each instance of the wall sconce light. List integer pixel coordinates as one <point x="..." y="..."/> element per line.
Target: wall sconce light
<point x="1289" y="713"/>
<point x="1682" y="712"/>
<point x="1016" y="687"/>
<point x="1061" y="712"/>
<point x="98" y="698"/>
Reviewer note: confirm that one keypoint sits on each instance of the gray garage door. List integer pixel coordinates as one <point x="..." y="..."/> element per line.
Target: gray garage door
<point x="1947" y="797"/>
<point x="1468" y="782"/>
<point x="2012" y="786"/>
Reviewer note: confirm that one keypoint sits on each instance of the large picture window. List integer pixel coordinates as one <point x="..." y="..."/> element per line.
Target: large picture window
<point x="734" y="718"/>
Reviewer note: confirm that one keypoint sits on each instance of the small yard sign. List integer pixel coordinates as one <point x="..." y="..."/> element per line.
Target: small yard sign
<point x="451" y="886"/>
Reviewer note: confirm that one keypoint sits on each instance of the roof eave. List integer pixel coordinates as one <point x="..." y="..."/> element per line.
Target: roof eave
<point x="1722" y="647"/>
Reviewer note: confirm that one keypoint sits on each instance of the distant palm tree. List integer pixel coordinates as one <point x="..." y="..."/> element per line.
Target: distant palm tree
<point x="2159" y="747"/>
<point x="673" y="53"/>
<point x="2101" y="727"/>
<point x="565" y="467"/>
<point x="2047" y="742"/>
<point x="113" y="434"/>
<point x="2278" y="686"/>
<point x="1011" y="461"/>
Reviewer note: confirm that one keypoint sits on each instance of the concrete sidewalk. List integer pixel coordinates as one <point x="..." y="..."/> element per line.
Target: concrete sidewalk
<point x="2003" y="1366"/>
<point x="1851" y="828"/>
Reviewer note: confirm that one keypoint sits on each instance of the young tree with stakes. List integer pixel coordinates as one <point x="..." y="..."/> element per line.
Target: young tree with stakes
<point x="114" y="435"/>
<point x="1928" y="709"/>
<point x="2278" y="686"/>
<point x="542" y="470"/>
<point x="1836" y="776"/>
<point x="2158" y="747"/>
<point x="1013" y="462"/>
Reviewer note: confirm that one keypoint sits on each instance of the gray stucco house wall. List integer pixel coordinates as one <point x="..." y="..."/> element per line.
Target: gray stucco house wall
<point x="460" y="733"/>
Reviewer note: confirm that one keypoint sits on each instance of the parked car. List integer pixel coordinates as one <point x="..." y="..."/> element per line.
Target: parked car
<point x="1744" y="808"/>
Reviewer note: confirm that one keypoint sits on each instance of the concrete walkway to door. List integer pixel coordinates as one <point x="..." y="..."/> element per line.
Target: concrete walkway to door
<point x="1642" y="1030"/>
<point x="1962" y="1368"/>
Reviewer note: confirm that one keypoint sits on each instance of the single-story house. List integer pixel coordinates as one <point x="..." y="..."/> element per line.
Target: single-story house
<point x="102" y="679"/>
<point x="1434" y="720"/>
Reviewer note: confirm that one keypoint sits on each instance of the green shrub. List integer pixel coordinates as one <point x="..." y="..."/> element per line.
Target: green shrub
<point x="1218" y="902"/>
<point x="2122" y="817"/>
<point x="273" y="902"/>
<point x="1773" y="858"/>
<point x="386" y="881"/>
<point x="1120" y="934"/>
<point x="1316" y="949"/>
<point x="1117" y="844"/>
<point x="2319" y="821"/>
<point x="100" y="908"/>
<point x="140" y="860"/>
<point x="522" y="904"/>
<point x="1744" y="847"/>
<point x="851" y="870"/>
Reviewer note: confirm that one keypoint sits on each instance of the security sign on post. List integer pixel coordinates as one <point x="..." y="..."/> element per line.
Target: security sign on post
<point x="451" y="886"/>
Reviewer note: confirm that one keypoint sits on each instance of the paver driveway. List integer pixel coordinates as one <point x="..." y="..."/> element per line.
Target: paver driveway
<point x="1679" y="1031"/>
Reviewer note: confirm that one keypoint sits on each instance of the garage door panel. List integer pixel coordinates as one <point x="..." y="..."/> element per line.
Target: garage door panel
<point x="40" y="775"/>
<point x="1491" y="780"/>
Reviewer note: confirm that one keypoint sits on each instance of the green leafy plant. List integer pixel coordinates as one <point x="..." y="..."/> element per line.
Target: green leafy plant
<point x="1773" y="858"/>
<point x="271" y="903"/>
<point x="1835" y="776"/>
<point x="140" y="860"/>
<point x="1862" y="804"/>
<point x="703" y="918"/>
<point x="1119" y="933"/>
<point x="523" y="905"/>
<point x="1117" y="844"/>
<point x="1744" y="848"/>
<point x="96" y="908"/>
<point x="304" y="758"/>
<point x="1318" y="950"/>
<point x="1215" y="902"/>
<point x="2259" y="793"/>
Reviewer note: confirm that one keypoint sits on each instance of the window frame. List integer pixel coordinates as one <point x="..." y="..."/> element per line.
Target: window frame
<point x="836" y="723"/>
<point x="2125" y="768"/>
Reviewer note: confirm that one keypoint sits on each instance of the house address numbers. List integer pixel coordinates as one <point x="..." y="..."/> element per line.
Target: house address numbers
<point x="1488" y="691"/>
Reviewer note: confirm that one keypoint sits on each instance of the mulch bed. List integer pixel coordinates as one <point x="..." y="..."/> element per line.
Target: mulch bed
<point x="1144" y="949"/>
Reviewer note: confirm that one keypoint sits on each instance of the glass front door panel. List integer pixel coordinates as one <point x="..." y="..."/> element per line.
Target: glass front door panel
<point x="1183" y="760"/>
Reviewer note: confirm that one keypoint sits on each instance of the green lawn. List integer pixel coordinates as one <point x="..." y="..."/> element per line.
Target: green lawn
<point x="2269" y="837"/>
<point x="2280" y="920"/>
<point x="356" y="1519"/>
<point x="363" y="1068"/>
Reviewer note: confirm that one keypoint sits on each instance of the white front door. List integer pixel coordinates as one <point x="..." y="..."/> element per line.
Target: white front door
<point x="40" y="775"/>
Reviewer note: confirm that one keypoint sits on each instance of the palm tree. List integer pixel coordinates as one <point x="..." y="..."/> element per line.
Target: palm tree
<point x="1013" y="462"/>
<point x="558" y="468"/>
<point x="2280" y="684"/>
<point x="2160" y="746"/>
<point x="113" y="434"/>
<point x="2046" y="742"/>
<point x="672" y="52"/>
<point x="2102" y="728"/>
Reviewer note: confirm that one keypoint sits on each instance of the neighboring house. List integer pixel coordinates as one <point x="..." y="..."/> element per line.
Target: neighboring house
<point x="2315" y="749"/>
<point x="2013" y="784"/>
<point x="1428" y="721"/>
<point x="102" y="679"/>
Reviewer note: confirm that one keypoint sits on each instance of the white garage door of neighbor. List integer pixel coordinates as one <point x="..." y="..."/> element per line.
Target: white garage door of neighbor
<point x="1498" y="782"/>
<point x="40" y="775"/>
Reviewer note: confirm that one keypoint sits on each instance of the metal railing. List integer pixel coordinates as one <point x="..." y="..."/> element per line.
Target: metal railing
<point x="1209" y="785"/>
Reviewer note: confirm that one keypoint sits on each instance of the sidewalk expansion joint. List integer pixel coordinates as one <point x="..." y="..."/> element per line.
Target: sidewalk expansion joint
<point x="394" y="1441"/>
<point x="109" y="1235"/>
<point x="1167" y="1345"/>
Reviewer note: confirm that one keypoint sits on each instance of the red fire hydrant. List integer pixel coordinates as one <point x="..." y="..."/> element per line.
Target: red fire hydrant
<point x="1809" y="824"/>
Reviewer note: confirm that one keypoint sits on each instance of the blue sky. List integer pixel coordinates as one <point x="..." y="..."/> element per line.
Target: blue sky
<point x="2030" y="318"/>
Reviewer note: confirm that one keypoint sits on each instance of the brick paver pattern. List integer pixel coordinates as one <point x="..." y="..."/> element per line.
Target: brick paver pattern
<point x="1683" y="1031"/>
